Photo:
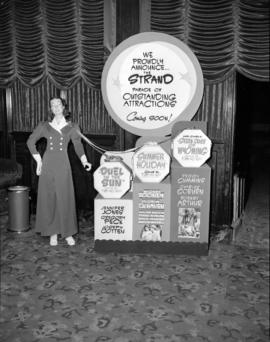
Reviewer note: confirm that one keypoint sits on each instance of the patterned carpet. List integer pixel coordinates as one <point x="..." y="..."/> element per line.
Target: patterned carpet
<point x="74" y="294"/>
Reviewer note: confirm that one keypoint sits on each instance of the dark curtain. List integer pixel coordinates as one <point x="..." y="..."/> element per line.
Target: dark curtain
<point x="60" y="40"/>
<point x="63" y="40"/>
<point x="225" y="35"/>
<point x="48" y="45"/>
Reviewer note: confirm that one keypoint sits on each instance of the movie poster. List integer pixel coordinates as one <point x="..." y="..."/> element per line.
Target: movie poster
<point x="190" y="203"/>
<point x="114" y="218"/>
<point x="151" y="211"/>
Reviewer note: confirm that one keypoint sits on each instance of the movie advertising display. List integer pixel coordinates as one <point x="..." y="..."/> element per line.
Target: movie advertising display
<point x="149" y="81"/>
<point x="114" y="218"/>
<point x="151" y="163"/>
<point x="190" y="203"/>
<point x="152" y="210"/>
<point x="152" y="86"/>
<point x="191" y="148"/>
<point x="112" y="179"/>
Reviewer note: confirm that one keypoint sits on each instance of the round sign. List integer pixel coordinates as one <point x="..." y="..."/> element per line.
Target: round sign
<point x="150" y="81"/>
<point x="151" y="163"/>
<point x="112" y="179"/>
<point x="191" y="148"/>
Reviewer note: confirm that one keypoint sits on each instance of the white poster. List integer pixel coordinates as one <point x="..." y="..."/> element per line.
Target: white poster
<point x="113" y="219"/>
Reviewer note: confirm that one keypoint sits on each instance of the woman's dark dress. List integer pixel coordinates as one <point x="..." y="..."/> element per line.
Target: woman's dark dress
<point x="56" y="211"/>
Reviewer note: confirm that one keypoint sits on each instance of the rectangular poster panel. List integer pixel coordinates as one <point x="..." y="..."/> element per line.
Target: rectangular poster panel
<point x="190" y="203"/>
<point x="114" y="218"/>
<point x="151" y="210"/>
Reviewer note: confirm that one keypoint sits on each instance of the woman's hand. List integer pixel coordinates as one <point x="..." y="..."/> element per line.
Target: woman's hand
<point x="87" y="166"/>
<point x="84" y="161"/>
<point x="38" y="160"/>
<point x="39" y="168"/>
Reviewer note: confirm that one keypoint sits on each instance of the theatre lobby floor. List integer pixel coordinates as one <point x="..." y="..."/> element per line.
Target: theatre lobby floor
<point x="74" y="294"/>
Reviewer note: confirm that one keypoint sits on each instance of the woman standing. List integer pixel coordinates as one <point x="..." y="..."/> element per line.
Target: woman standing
<point x="56" y="210"/>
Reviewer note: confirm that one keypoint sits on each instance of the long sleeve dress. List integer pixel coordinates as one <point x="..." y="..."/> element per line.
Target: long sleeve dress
<point x="56" y="210"/>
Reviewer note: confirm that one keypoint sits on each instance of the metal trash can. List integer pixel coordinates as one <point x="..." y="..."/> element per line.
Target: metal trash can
<point x="18" y="208"/>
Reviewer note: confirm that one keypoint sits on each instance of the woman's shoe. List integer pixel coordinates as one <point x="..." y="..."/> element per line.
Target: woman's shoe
<point x="53" y="240"/>
<point x="70" y="241"/>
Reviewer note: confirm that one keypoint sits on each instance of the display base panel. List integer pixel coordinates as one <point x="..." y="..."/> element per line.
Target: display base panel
<point x="150" y="247"/>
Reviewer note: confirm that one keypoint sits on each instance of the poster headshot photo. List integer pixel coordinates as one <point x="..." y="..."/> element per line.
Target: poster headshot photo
<point x="189" y="222"/>
<point x="151" y="232"/>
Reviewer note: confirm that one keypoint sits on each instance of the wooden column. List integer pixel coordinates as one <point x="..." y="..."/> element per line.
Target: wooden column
<point x="127" y="24"/>
<point x="3" y="125"/>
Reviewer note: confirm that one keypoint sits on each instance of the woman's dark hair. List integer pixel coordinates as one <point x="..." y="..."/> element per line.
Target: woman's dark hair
<point x="66" y="113"/>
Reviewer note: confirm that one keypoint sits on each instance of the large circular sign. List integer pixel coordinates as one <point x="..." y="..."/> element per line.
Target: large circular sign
<point x="150" y="81"/>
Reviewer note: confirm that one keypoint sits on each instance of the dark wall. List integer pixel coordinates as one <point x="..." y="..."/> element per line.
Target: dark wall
<point x="252" y="129"/>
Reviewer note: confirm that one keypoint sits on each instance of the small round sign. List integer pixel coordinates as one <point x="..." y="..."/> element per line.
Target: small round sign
<point x="150" y="81"/>
<point x="151" y="163"/>
<point x="191" y="148"/>
<point x="112" y="179"/>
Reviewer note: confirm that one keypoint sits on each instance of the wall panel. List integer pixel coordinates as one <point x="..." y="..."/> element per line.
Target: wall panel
<point x="217" y="109"/>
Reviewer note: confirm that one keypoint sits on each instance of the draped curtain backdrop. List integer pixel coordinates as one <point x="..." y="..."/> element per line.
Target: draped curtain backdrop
<point x="225" y="35"/>
<point x="61" y="40"/>
<point x="48" y="44"/>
